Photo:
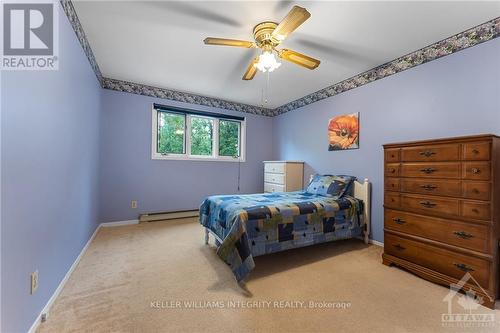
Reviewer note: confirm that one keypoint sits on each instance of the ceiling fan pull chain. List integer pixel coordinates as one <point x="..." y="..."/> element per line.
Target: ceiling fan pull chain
<point x="262" y="97"/>
<point x="267" y="88"/>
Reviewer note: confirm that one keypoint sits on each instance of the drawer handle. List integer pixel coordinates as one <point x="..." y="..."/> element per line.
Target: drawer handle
<point x="428" y="187"/>
<point x="428" y="170"/>
<point x="427" y="153"/>
<point x="463" y="234"/>
<point x="475" y="210"/>
<point x="475" y="190"/>
<point x="464" y="267"/>
<point x="398" y="220"/>
<point x="427" y="204"/>
<point x="475" y="151"/>
<point x="476" y="171"/>
<point x="392" y="170"/>
<point x="399" y="247"/>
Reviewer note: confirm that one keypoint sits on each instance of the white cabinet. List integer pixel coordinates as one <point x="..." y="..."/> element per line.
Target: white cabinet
<point x="283" y="176"/>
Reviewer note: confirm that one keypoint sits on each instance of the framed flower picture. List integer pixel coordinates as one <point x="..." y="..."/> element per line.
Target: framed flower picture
<point x="343" y="132"/>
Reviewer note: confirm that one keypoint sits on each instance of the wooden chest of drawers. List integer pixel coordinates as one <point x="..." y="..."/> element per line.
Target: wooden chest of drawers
<point x="442" y="210"/>
<point x="283" y="176"/>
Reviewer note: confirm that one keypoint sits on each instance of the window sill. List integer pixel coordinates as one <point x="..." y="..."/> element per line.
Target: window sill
<point x="195" y="158"/>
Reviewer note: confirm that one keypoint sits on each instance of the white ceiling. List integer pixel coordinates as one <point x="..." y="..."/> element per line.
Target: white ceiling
<point x="160" y="43"/>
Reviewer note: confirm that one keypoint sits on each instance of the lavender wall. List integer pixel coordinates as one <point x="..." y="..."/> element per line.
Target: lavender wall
<point x="49" y="143"/>
<point x="455" y="95"/>
<point x="127" y="171"/>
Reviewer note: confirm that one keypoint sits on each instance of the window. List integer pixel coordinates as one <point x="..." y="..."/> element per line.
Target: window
<point x="171" y="133"/>
<point x="202" y="139"/>
<point x="193" y="135"/>
<point x="229" y="138"/>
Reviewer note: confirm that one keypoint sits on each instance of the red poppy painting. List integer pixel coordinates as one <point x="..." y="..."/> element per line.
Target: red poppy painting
<point x="343" y="132"/>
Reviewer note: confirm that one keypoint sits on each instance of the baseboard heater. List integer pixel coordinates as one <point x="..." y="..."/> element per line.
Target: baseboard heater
<point x="162" y="216"/>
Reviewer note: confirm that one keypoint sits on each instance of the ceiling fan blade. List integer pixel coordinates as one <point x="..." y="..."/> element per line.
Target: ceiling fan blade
<point x="299" y="58"/>
<point x="292" y="21"/>
<point x="228" y="42"/>
<point x="251" y="70"/>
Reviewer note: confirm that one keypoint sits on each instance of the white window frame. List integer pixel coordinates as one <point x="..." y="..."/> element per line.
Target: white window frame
<point x="187" y="140"/>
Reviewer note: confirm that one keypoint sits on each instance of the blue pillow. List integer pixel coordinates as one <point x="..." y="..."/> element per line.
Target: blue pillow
<point x="330" y="186"/>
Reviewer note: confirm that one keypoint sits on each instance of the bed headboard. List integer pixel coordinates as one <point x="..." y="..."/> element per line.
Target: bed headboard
<point x="362" y="191"/>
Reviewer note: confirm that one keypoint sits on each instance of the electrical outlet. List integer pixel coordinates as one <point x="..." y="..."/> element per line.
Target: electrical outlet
<point x="34" y="281"/>
<point x="133" y="204"/>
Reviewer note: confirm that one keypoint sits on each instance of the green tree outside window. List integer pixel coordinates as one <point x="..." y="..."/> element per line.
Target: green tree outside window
<point x="171" y="133"/>
<point x="201" y="136"/>
<point x="229" y="138"/>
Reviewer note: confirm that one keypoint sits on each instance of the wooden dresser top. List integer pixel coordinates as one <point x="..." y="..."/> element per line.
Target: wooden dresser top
<point x="443" y="140"/>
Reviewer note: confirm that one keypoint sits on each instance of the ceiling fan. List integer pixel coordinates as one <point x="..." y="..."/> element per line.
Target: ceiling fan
<point x="268" y="35"/>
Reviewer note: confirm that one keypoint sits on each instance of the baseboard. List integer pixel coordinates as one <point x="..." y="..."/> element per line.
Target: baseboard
<point x="119" y="223"/>
<point x="371" y="241"/>
<point x="377" y="243"/>
<point x="46" y="308"/>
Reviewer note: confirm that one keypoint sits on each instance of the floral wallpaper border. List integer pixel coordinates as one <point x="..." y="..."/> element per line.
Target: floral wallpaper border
<point x="474" y="36"/>
<point x="458" y="42"/>
<point x="68" y="8"/>
<point x="141" y="89"/>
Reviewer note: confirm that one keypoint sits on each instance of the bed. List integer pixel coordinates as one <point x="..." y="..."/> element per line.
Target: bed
<point x="246" y="226"/>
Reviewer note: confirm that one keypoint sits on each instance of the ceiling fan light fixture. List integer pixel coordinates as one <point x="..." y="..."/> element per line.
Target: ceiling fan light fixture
<point x="267" y="62"/>
<point x="268" y="36"/>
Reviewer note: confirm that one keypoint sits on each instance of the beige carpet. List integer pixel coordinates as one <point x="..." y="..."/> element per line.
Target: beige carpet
<point x="127" y="268"/>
